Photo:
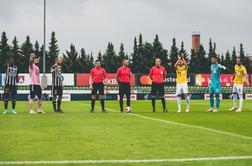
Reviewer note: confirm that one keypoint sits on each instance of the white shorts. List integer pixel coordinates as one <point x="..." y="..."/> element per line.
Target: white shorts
<point x="238" y="89"/>
<point x="181" y="88"/>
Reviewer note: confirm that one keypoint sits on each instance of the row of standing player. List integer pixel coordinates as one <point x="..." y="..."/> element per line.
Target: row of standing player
<point x="11" y="80"/>
<point x="98" y="82"/>
<point x="158" y="73"/>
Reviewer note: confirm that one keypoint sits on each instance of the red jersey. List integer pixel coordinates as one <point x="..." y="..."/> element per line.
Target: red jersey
<point x="124" y="74"/>
<point x="157" y="74"/>
<point x="98" y="74"/>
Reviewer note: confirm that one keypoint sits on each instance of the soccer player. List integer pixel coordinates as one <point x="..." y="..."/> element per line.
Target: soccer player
<point x="238" y="79"/>
<point x="97" y="82"/>
<point x="157" y="75"/>
<point x="123" y="78"/>
<point x="35" y="88"/>
<point x="215" y="84"/>
<point x="57" y="84"/>
<point x="181" y="80"/>
<point x="10" y="88"/>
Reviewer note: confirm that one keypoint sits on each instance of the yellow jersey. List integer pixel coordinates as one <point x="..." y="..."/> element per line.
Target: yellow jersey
<point x="240" y="72"/>
<point x="181" y="72"/>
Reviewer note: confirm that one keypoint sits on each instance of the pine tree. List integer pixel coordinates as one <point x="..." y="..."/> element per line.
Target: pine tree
<point x="211" y="52"/>
<point x="228" y="62"/>
<point x="242" y="53"/>
<point x="99" y="56"/>
<point x="122" y="55"/>
<point x="4" y="50"/>
<point x="159" y="51"/>
<point x="244" y="59"/>
<point x="234" y="57"/>
<point x="82" y="62"/>
<point x="135" y="57"/>
<point x="85" y="62"/>
<point x="193" y="62"/>
<point x="218" y="58"/>
<point x="15" y="51"/>
<point x="53" y="51"/>
<point x="201" y="61"/>
<point x="222" y="60"/>
<point x="27" y="49"/>
<point x="70" y="64"/>
<point x="173" y="52"/>
<point x="182" y="50"/>
<point x="212" y="48"/>
<point x="37" y="49"/>
<point x="148" y="60"/>
<point x="90" y="62"/>
<point x="110" y="59"/>
<point x="39" y="52"/>
<point x="142" y="59"/>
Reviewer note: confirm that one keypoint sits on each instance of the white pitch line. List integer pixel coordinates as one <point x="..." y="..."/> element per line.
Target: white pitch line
<point x="185" y="125"/>
<point x="192" y="126"/>
<point x="124" y="161"/>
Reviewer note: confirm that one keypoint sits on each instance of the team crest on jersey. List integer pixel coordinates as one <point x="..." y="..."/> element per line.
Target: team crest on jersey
<point x="162" y="72"/>
<point x="21" y="79"/>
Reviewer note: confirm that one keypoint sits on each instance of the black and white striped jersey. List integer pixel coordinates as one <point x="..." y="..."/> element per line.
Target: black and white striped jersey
<point x="11" y="75"/>
<point x="57" y="77"/>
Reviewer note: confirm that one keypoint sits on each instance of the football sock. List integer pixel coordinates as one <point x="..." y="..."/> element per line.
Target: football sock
<point x="92" y="104"/>
<point x="163" y="103"/>
<point x="217" y="102"/>
<point x="13" y="104"/>
<point x="211" y="101"/>
<point x="153" y="101"/>
<point x="234" y="99"/>
<point x="128" y="101"/>
<point x="241" y="101"/>
<point x="102" y="104"/>
<point x="187" y="101"/>
<point x="179" y="102"/>
<point x="5" y="104"/>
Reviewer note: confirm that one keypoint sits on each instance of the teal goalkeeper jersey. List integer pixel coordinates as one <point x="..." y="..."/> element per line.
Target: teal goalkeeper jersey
<point x="215" y="73"/>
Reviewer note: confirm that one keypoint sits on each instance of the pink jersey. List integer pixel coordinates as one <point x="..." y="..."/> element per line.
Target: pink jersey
<point x="34" y="75"/>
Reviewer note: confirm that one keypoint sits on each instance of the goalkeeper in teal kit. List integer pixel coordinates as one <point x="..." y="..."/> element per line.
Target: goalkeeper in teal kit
<point x="215" y="84"/>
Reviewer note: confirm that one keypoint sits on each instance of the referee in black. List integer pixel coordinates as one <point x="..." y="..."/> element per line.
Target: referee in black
<point x="57" y="84"/>
<point x="10" y="88"/>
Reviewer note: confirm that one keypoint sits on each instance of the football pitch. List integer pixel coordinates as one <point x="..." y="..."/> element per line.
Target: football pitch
<point x="78" y="137"/>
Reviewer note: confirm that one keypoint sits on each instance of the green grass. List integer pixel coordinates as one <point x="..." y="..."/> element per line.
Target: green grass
<point x="80" y="135"/>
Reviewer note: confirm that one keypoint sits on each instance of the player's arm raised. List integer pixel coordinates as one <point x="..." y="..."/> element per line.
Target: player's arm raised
<point x="184" y="62"/>
<point x="223" y="67"/>
<point x="176" y="64"/>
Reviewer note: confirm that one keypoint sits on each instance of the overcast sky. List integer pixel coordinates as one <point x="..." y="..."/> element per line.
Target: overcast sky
<point x="90" y="24"/>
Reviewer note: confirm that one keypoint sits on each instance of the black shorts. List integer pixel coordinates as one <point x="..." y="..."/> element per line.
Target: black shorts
<point x="10" y="90"/>
<point x="35" y="90"/>
<point x="157" y="89"/>
<point x="98" y="87"/>
<point x="124" y="88"/>
<point x="57" y="91"/>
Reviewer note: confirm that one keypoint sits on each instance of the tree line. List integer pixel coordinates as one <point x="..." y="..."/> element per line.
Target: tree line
<point x="141" y="58"/>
